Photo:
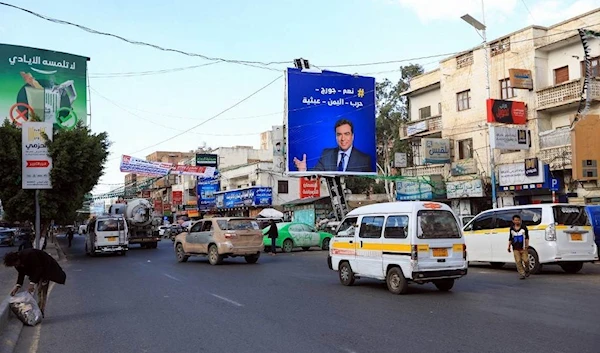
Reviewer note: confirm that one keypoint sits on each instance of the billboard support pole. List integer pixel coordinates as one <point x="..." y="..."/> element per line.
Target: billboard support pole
<point x="37" y="219"/>
<point x="338" y="197"/>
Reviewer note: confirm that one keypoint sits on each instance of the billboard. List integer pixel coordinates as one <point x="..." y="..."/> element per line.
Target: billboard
<point x="206" y="189"/>
<point x="37" y="164"/>
<point x="143" y="167"/>
<point x="207" y="160"/>
<point x="48" y="84"/>
<point x="506" y="112"/>
<point x="515" y="174"/>
<point x="330" y="123"/>
<point x="254" y="196"/>
<point x="435" y="151"/>
<point x="520" y="78"/>
<point x="420" y="188"/>
<point x="509" y="138"/>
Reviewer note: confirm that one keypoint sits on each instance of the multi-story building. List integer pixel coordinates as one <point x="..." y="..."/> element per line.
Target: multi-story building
<point x="448" y="120"/>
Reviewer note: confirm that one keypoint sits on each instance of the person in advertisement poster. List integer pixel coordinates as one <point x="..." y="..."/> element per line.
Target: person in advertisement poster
<point x="331" y="123"/>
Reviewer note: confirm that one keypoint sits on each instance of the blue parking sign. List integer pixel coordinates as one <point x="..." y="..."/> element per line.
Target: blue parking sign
<point x="554" y="184"/>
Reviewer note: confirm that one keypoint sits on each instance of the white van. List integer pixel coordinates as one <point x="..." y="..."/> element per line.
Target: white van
<point x="558" y="234"/>
<point x="107" y="234"/>
<point x="400" y="242"/>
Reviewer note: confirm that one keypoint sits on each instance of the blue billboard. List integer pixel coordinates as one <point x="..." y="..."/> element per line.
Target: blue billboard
<point x="206" y="189"/>
<point x="330" y="123"/>
<point x="254" y="196"/>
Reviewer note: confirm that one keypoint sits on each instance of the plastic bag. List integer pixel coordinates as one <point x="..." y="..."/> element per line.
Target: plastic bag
<point x="25" y="307"/>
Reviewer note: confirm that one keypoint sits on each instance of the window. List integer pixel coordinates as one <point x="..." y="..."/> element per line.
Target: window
<point x="238" y="224"/>
<point x="570" y="215"/>
<point x="506" y="91"/>
<point x="307" y="228"/>
<point x="594" y="66"/>
<point x="396" y="227"/>
<point x="425" y="112"/>
<point x="499" y="47"/>
<point x="504" y="218"/>
<point x="440" y="108"/>
<point x="253" y="183"/>
<point x="196" y="227"/>
<point x="282" y="187"/>
<point x="415" y="147"/>
<point x="464" y="60"/>
<point x="483" y="222"/>
<point x="110" y="225"/>
<point x="370" y="227"/>
<point x="437" y="225"/>
<point x="463" y="100"/>
<point x="561" y="75"/>
<point x="346" y="229"/>
<point x="207" y="226"/>
<point x="465" y="149"/>
<point x="296" y="228"/>
<point x="531" y="216"/>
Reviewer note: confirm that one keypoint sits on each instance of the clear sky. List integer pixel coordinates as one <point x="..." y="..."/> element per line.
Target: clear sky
<point x="141" y="110"/>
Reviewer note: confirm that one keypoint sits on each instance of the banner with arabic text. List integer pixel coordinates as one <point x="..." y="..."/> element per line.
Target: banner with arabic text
<point x="143" y="167"/>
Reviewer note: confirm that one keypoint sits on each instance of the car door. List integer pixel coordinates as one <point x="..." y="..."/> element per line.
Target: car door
<point x="191" y="238"/>
<point x="477" y="237"/>
<point x="499" y="235"/>
<point x="342" y="246"/>
<point x="299" y="234"/>
<point x="205" y="236"/>
<point x="369" y="252"/>
<point x="314" y="237"/>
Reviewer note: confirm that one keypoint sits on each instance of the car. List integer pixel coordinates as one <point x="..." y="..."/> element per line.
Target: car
<point x="161" y="230"/>
<point x="220" y="238"/>
<point x="8" y="237"/>
<point x="297" y="235"/>
<point x="82" y="229"/>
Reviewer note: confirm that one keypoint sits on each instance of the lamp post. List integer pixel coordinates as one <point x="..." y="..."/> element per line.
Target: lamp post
<point x="481" y="27"/>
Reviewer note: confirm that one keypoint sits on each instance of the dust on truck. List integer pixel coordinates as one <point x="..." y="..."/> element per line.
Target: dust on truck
<point x="143" y="228"/>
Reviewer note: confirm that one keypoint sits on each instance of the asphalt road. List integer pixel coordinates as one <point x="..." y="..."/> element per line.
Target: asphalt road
<point x="147" y="302"/>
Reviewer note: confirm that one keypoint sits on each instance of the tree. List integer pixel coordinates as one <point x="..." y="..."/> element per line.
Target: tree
<point x="78" y="158"/>
<point x="392" y="112"/>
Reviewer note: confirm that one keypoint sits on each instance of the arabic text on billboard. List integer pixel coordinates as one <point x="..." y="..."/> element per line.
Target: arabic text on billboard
<point x="206" y="193"/>
<point x="48" y="84"/>
<point x="37" y="164"/>
<point x="330" y="123"/>
<point x="256" y="196"/>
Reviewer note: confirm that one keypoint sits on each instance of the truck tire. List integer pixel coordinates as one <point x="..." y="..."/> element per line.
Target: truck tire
<point x="213" y="255"/>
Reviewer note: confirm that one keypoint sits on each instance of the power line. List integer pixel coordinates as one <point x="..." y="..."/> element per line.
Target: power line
<point x="146" y="73"/>
<point x="391" y="61"/>
<point x="134" y="42"/>
<point x="527" y="8"/>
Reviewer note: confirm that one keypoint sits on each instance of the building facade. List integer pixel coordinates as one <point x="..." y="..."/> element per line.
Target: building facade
<point x="542" y="67"/>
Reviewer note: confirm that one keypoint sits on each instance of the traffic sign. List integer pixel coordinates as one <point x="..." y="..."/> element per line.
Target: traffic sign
<point x="554" y="184"/>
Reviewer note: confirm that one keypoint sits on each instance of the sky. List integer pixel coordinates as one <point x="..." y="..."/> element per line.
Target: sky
<point x="140" y="111"/>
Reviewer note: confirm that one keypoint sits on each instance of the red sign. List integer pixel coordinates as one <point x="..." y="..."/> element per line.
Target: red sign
<point x="167" y="207"/>
<point x="189" y="169"/>
<point x="177" y="197"/>
<point x="158" y="205"/>
<point x="310" y="188"/>
<point x="38" y="164"/>
<point x="506" y="112"/>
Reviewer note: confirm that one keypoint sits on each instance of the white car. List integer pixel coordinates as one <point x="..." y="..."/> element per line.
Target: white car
<point x="162" y="230"/>
<point x="82" y="229"/>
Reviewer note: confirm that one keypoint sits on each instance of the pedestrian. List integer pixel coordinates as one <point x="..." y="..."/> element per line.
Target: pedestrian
<point x="27" y="242"/>
<point x="518" y="239"/>
<point x="40" y="267"/>
<point x="70" y="236"/>
<point x="273" y="234"/>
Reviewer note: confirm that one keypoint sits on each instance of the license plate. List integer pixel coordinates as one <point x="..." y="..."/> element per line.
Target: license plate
<point x="111" y="238"/>
<point x="576" y="237"/>
<point x="442" y="252"/>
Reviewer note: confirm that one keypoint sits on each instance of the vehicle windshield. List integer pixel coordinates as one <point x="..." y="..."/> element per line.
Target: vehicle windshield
<point x="110" y="225"/>
<point x="437" y="225"/>
<point x="238" y="224"/>
<point x="570" y="215"/>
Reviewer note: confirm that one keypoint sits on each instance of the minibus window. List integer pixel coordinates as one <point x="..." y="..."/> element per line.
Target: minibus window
<point x="371" y="227"/>
<point x="396" y="227"/>
<point x="570" y="215"/>
<point x="531" y="216"/>
<point x="346" y="229"/>
<point x="437" y="224"/>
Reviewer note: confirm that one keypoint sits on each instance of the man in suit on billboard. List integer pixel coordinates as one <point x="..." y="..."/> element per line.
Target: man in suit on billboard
<point x="343" y="158"/>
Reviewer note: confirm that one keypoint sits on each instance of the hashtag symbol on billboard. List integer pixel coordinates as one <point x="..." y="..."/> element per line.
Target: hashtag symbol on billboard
<point x="361" y="92"/>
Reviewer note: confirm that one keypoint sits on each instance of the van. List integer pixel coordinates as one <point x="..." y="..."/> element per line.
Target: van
<point x="106" y="234"/>
<point x="400" y="242"/>
<point x="594" y="214"/>
<point x="558" y="234"/>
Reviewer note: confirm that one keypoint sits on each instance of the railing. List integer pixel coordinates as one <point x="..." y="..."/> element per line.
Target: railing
<point x="555" y="138"/>
<point x="557" y="157"/>
<point x="431" y="169"/>
<point x="431" y="125"/>
<point x="565" y="93"/>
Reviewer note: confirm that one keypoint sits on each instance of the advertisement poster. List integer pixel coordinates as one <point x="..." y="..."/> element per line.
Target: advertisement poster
<point x="420" y="188"/>
<point x="435" y="151"/>
<point x="177" y="197"/>
<point x="48" y="84"/>
<point x="506" y="112"/>
<point x="143" y="167"/>
<point x="278" y="149"/>
<point x="206" y="193"/>
<point x="462" y="189"/>
<point x="310" y="188"/>
<point x="509" y="138"/>
<point x="36" y="162"/>
<point x="330" y="123"/>
<point x="514" y="174"/>
<point x="256" y="196"/>
<point x="207" y="160"/>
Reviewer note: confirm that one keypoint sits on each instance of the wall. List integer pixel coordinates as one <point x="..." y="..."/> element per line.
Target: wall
<point x="570" y="55"/>
<point x="419" y="100"/>
<point x="240" y="155"/>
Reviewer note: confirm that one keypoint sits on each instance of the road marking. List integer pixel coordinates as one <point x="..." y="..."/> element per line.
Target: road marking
<point x="37" y="332"/>
<point x="227" y="300"/>
<point x="349" y="350"/>
<point x="171" y="277"/>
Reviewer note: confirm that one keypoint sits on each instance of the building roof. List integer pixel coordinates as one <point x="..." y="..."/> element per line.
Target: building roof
<point x="305" y="201"/>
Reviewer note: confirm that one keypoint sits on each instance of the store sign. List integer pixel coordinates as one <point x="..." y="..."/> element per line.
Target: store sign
<point x="506" y="112"/>
<point x="520" y="78"/>
<point x="435" y="151"/>
<point x="310" y="187"/>
<point x="158" y="206"/>
<point x="463" y="189"/>
<point x="206" y="190"/>
<point x="207" y="160"/>
<point x="400" y="160"/>
<point x="509" y="138"/>
<point x="177" y="197"/>
<point x="532" y="167"/>
<point x="255" y="196"/>
<point x="413" y="129"/>
<point x="36" y="163"/>
<point x="420" y="188"/>
<point x="514" y="174"/>
<point x="464" y="167"/>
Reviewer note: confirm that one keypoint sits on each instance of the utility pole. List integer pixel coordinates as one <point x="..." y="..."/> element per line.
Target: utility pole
<point x="482" y="28"/>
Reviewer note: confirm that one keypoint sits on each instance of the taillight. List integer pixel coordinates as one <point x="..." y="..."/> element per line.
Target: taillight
<point x="229" y="235"/>
<point x="464" y="251"/>
<point x="414" y="253"/>
<point x="551" y="233"/>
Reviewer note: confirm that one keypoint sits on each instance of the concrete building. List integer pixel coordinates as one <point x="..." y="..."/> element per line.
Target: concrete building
<point x="449" y="104"/>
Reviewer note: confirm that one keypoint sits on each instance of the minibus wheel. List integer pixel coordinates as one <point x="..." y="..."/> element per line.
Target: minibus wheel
<point x="395" y="281"/>
<point x="534" y="262"/>
<point x="571" y="267"/>
<point x="346" y="274"/>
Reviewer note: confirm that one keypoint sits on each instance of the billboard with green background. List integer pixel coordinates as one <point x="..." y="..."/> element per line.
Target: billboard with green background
<point x="48" y="84"/>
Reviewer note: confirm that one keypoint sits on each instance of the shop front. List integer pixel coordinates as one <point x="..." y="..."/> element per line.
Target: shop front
<point x="308" y="210"/>
<point x="529" y="182"/>
<point x="468" y="197"/>
<point x="246" y="202"/>
<point x="423" y="188"/>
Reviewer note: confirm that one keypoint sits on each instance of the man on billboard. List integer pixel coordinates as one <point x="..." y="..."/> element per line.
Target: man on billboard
<point x="343" y="158"/>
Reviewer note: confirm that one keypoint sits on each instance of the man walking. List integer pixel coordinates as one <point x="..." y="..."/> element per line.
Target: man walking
<point x="70" y="236"/>
<point x="40" y="267"/>
<point x="273" y="234"/>
<point x="518" y="239"/>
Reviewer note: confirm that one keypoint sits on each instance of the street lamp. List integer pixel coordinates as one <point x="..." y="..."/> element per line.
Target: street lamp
<point x="481" y="27"/>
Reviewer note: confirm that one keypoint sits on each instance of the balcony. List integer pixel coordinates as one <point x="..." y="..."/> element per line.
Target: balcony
<point x="424" y="170"/>
<point x="421" y="127"/>
<point x="555" y="148"/>
<point x="565" y="93"/>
